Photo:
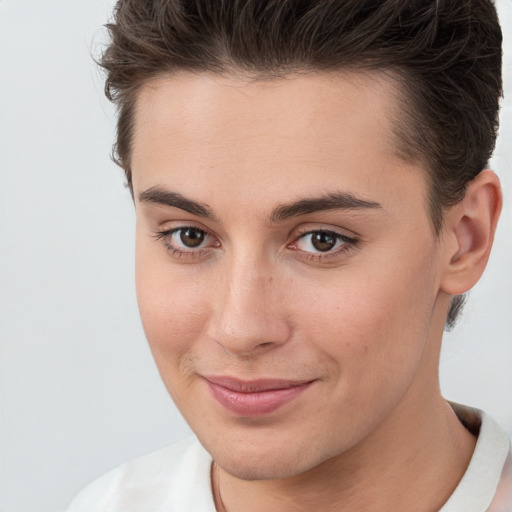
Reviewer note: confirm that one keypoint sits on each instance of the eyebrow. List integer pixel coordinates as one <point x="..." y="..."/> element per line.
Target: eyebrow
<point x="326" y="202"/>
<point x="157" y="195"/>
<point x="332" y="201"/>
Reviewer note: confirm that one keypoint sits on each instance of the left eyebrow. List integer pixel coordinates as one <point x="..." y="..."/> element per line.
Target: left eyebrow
<point x="331" y="201"/>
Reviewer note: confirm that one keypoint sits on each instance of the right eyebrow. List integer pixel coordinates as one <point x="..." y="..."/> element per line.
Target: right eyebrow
<point x="157" y="195"/>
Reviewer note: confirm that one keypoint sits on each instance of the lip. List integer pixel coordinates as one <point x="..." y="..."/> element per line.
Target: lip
<point x="252" y="398"/>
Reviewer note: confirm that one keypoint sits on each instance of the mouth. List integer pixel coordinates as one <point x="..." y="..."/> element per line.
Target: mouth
<point x="254" y="397"/>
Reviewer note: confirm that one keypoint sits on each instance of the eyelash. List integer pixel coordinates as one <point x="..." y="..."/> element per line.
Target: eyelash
<point x="165" y="237"/>
<point x="348" y="243"/>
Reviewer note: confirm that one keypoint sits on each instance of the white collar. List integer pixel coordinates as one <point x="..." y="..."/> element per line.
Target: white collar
<point x="487" y="483"/>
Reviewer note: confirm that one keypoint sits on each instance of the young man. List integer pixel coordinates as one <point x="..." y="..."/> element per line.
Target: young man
<point x="312" y="203"/>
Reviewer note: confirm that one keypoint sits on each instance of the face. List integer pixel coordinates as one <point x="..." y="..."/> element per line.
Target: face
<point x="287" y="273"/>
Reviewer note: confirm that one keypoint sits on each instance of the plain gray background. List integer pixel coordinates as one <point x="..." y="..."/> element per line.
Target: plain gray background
<point x="79" y="391"/>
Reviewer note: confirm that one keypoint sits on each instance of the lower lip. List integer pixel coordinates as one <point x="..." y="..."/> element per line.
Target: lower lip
<point x="256" y="403"/>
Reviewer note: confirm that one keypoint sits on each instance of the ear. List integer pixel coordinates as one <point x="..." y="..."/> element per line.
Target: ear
<point x="469" y="233"/>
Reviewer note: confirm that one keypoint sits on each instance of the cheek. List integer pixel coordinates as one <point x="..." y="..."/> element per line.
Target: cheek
<point x="173" y="311"/>
<point x="372" y="321"/>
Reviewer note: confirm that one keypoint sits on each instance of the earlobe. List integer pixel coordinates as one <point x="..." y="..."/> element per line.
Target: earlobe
<point x="469" y="233"/>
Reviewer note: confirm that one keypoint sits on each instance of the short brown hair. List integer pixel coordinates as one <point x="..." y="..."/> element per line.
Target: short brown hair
<point x="446" y="54"/>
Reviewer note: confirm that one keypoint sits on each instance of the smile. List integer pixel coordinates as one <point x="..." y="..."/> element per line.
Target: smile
<point x="254" y="398"/>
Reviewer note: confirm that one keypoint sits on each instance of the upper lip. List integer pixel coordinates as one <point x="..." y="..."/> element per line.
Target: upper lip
<point x="253" y="386"/>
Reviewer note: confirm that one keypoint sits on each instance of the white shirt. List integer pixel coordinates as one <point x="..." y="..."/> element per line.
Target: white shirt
<point x="177" y="478"/>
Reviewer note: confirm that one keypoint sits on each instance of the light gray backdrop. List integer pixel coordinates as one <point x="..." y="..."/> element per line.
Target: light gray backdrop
<point x="79" y="391"/>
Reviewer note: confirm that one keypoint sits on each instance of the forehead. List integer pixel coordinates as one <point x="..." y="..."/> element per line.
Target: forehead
<point x="198" y="131"/>
<point x="208" y="108"/>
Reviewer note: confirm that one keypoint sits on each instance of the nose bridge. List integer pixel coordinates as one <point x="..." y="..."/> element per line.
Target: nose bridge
<point x="247" y="314"/>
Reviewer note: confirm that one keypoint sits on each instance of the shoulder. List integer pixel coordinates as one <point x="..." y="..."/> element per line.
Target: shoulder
<point x="175" y="478"/>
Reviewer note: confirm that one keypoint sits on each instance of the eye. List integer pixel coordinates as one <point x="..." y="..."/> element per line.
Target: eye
<point x="323" y="243"/>
<point x="186" y="240"/>
<point x="190" y="237"/>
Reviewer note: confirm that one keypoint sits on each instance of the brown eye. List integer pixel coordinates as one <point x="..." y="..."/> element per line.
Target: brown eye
<point x="192" y="237"/>
<point x="323" y="240"/>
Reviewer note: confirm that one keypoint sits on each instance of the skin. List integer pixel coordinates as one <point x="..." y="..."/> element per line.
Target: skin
<point x="255" y="300"/>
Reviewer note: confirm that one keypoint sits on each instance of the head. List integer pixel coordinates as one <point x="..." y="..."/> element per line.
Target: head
<point x="254" y="135"/>
<point x="445" y="58"/>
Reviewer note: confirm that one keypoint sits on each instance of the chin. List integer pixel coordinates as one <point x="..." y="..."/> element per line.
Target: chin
<point x="270" y="463"/>
<point x="260" y="470"/>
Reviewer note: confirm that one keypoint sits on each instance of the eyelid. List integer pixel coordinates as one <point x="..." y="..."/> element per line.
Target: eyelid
<point x="310" y="227"/>
<point x="302" y="231"/>
<point x="313" y="227"/>
<point x="350" y="242"/>
<point x="165" y="236"/>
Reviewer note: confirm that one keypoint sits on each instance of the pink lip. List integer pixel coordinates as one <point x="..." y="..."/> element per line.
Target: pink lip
<point x="256" y="397"/>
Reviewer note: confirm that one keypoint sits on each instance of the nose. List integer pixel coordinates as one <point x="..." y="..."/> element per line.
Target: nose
<point x="249" y="315"/>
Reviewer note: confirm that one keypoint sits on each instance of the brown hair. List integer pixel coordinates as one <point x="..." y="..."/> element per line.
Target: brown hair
<point x="446" y="55"/>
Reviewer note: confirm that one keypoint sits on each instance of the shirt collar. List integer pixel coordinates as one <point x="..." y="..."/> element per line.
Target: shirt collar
<point x="487" y="484"/>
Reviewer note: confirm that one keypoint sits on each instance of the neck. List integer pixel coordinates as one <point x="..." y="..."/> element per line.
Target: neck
<point x="411" y="463"/>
